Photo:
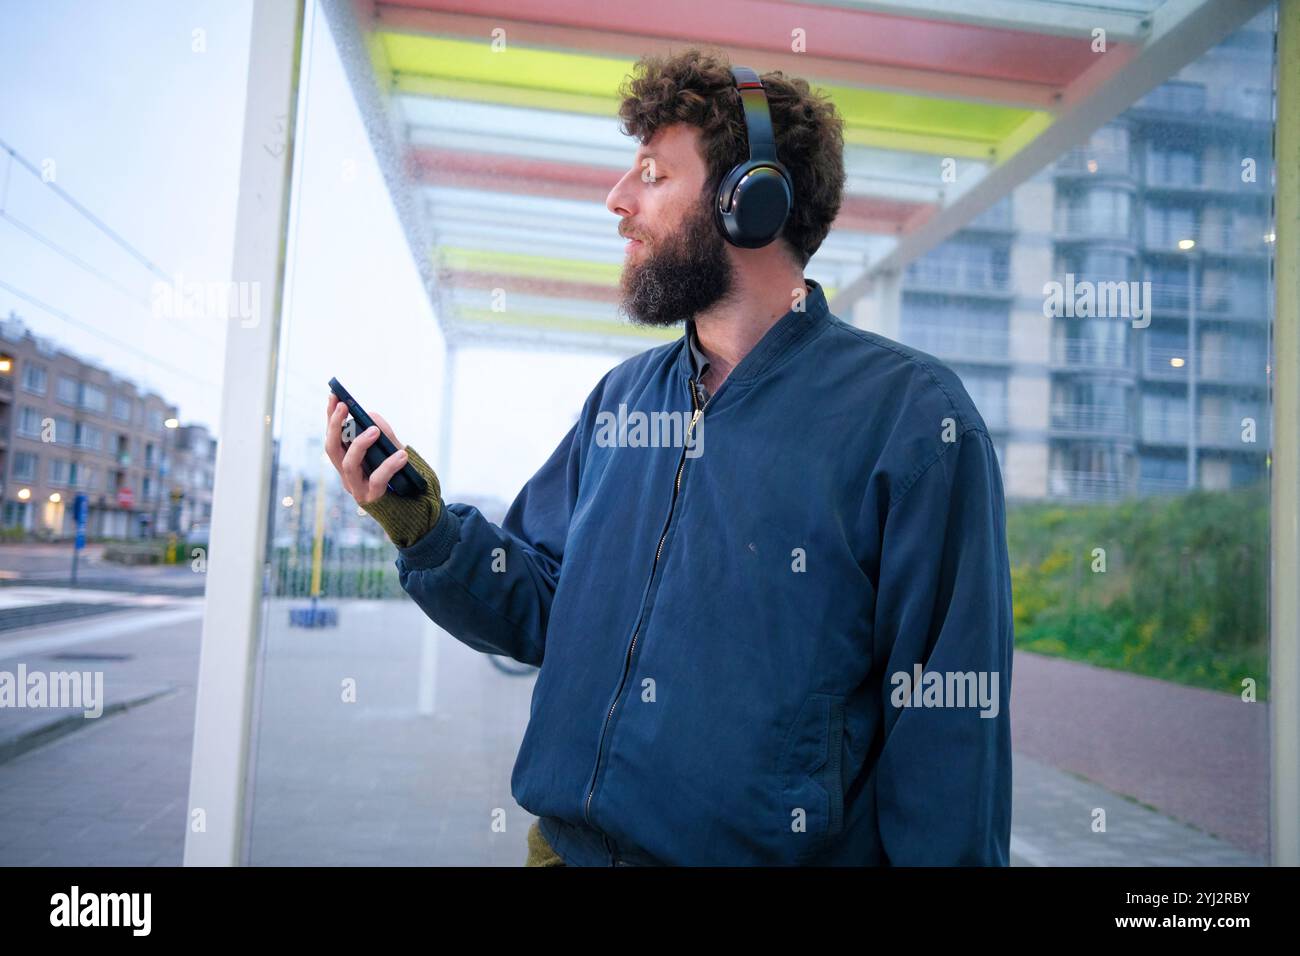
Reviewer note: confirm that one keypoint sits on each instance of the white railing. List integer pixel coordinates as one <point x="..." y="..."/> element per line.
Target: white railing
<point x="957" y="343"/>
<point x="1070" y="353"/>
<point x="1212" y="431"/>
<point x="1165" y="428"/>
<point x="1219" y="237"/>
<point x="1068" y="417"/>
<point x="957" y="273"/>
<point x="1075" y="222"/>
<point x="1211" y="366"/>
<point x="1085" y="485"/>
<point x="1097" y="161"/>
<point x="1233" y="298"/>
<point x="1211" y="174"/>
<point x="1227" y="431"/>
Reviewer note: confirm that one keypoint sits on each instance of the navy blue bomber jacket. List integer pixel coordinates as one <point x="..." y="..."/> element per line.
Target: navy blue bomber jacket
<point x="780" y="637"/>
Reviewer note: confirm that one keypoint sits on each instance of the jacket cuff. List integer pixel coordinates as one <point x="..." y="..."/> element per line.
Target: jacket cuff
<point x="435" y="546"/>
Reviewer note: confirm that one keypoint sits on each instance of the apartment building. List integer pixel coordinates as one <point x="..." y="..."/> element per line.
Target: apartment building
<point x="1171" y="199"/>
<point x="68" y="427"/>
<point x="193" y="465"/>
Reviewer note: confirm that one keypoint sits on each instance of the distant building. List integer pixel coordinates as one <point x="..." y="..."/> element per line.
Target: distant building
<point x="68" y="427"/>
<point x="1173" y="192"/>
<point x="193" y="465"/>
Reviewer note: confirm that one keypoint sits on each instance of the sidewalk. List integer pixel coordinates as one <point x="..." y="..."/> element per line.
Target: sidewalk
<point x="110" y="791"/>
<point x="379" y="782"/>
<point x="1200" y="756"/>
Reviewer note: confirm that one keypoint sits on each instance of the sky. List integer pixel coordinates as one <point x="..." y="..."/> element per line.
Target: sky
<point x="135" y="109"/>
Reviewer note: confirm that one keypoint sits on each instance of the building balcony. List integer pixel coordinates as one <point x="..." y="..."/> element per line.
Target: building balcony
<point x="1216" y="368"/>
<point x="1102" y="420"/>
<point x="1168" y="429"/>
<point x="1165" y="364"/>
<point x="1220" y="369"/>
<point x="1241" y="239"/>
<point x="1226" y="299"/>
<point x="1213" y="431"/>
<point x="1081" y="226"/>
<point x="954" y="275"/>
<point x="1087" y="355"/>
<point x="1206" y="177"/>
<point x="1085" y="486"/>
<point x="1086" y="161"/>
<point x="1225" y="432"/>
<point x="958" y="344"/>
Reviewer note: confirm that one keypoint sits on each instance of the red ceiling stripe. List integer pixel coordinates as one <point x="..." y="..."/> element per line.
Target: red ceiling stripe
<point x="832" y="32"/>
<point x="516" y="174"/>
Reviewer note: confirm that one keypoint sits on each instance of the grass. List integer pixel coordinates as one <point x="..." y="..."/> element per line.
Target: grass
<point x="1169" y="587"/>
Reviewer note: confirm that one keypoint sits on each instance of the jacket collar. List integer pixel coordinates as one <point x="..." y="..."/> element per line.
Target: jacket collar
<point x="781" y="338"/>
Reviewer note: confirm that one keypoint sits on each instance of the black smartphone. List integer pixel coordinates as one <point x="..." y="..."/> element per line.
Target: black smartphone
<point x="406" y="481"/>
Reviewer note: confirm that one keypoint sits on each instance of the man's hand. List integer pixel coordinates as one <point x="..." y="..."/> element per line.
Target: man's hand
<point x="347" y="458"/>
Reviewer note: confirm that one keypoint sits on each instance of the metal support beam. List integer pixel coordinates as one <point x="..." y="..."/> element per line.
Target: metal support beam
<point x="1181" y="31"/>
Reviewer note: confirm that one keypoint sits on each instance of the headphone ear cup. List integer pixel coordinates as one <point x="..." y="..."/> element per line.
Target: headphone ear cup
<point x="754" y="201"/>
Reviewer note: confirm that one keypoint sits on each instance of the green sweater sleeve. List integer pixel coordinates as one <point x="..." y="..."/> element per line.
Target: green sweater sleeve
<point x="407" y="520"/>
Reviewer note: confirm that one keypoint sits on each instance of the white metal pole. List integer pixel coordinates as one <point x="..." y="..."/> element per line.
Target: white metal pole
<point x="232" y="609"/>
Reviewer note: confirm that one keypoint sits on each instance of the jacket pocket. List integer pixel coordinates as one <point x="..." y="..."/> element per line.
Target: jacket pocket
<point x="812" y="775"/>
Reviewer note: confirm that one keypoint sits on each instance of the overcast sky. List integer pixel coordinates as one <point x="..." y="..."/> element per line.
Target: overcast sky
<point x="145" y="131"/>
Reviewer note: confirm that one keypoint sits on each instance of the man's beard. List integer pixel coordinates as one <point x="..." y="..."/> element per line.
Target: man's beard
<point x="679" y="277"/>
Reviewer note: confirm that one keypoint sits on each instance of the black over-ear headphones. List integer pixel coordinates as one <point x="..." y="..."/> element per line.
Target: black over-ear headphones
<point x="755" y="198"/>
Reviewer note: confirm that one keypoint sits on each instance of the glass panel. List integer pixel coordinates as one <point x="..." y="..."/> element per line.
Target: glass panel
<point x="451" y="262"/>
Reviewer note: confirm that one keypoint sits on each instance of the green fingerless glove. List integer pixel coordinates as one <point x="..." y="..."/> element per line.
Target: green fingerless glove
<point x="407" y="520"/>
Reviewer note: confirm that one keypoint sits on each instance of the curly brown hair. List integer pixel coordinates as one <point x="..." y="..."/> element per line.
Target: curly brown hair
<point x="696" y="87"/>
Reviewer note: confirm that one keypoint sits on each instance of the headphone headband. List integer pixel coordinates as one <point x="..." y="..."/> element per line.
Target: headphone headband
<point x="755" y="198"/>
<point x="758" y="118"/>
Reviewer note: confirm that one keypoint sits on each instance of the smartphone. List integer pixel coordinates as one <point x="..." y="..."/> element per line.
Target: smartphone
<point x="406" y="481"/>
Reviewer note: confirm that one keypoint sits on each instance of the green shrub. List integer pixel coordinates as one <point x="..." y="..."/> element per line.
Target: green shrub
<point x="1184" y="592"/>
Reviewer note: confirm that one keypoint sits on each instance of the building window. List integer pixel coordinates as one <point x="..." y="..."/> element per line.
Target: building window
<point x="155" y="420"/>
<point x="58" y="473"/>
<point x="65" y="431"/>
<point x="34" y="378"/>
<point x="89" y="436"/>
<point x="29" y="422"/>
<point x="1173" y="167"/>
<point x="93" y="398"/>
<point x="67" y="390"/>
<point x="121" y="408"/>
<point x="1166" y="226"/>
<point x="25" y="464"/>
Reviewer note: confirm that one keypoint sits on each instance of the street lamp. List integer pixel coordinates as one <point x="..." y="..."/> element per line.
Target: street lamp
<point x="1193" y="260"/>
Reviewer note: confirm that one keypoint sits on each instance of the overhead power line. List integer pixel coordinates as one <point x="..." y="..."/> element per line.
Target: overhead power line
<point x="59" y="313"/>
<point x="103" y="227"/>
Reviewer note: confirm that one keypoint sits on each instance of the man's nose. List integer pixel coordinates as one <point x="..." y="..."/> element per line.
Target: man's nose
<point x="620" y="200"/>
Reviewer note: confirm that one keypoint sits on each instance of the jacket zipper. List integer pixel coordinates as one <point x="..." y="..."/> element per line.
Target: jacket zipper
<point x="627" y="661"/>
